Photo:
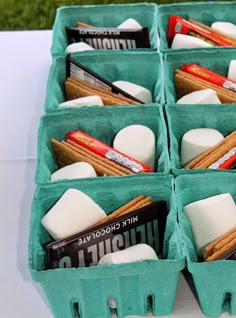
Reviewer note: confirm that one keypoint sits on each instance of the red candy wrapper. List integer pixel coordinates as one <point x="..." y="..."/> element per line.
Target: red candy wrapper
<point x="209" y="76"/>
<point x="228" y="161"/>
<point x="108" y="152"/>
<point x="179" y="25"/>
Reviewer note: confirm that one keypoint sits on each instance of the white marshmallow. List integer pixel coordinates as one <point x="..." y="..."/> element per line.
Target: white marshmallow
<point x="210" y="218"/>
<point x="226" y="28"/>
<point x="232" y="70"/>
<point x="203" y="96"/>
<point x="76" y="170"/>
<point x="73" y="213"/>
<point x="138" y="142"/>
<point x="129" y="24"/>
<point x="183" y="41"/>
<point x="78" y="47"/>
<point x="83" y="101"/>
<point x="196" y="141"/>
<point x="131" y="254"/>
<point x="139" y="92"/>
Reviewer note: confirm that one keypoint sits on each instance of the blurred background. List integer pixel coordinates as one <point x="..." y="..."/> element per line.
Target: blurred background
<point x="39" y="14"/>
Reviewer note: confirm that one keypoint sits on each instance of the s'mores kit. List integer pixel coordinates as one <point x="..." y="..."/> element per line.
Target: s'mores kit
<point x="140" y="224"/>
<point x="202" y="139"/>
<point x="207" y="215"/>
<point x="96" y="136"/>
<point x="113" y="27"/>
<point x="135" y="176"/>
<point x="194" y="25"/>
<point x="117" y="79"/>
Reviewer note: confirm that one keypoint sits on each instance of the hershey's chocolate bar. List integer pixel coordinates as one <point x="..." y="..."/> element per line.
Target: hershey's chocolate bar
<point x="74" y="68"/>
<point x="110" y="38"/>
<point x="145" y="225"/>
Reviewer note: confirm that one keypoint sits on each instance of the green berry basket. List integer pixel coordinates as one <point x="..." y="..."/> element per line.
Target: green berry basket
<point x="215" y="282"/>
<point x="205" y="12"/>
<point x="183" y="118"/>
<point x="136" y="287"/>
<point x="102" y="123"/>
<point x="141" y="68"/>
<point x="109" y="16"/>
<point x="216" y="60"/>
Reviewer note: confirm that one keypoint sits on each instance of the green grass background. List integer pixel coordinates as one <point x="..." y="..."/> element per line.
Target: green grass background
<point x="40" y="14"/>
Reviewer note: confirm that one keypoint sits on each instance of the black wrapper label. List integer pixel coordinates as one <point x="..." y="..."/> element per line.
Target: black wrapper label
<point x="145" y="225"/>
<point x="110" y="38"/>
<point x="76" y="69"/>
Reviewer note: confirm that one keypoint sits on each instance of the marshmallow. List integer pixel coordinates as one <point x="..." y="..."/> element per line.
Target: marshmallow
<point x="203" y="96"/>
<point x="226" y="28"/>
<point x="138" y="142"/>
<point x="196" y="141"/>
<point x="76" y="170"/>
<point x="129" y="24"/>
<point x="232" y="70"/>
<point x="73" y="213"/>
<point x="139" y="92"/>
<point x="78" y="47"/>
<point x="83" y="101"/>
<point x="183" y="41"/>
<point x="139" y="252"/>
<point x="210" y="218"/>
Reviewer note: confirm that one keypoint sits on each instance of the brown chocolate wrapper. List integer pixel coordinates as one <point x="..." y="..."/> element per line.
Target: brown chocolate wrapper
<point x="145" y="225"/>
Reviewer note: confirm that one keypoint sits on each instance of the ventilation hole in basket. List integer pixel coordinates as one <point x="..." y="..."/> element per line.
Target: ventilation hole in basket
<point x="227" y="301"/>
<point x="150" y="303"/>
<point x="112" y="306"/>
<point x="75" y="310"/>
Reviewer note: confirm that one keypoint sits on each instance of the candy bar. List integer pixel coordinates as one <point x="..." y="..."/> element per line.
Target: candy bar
<point x="109" y="38"/>
<point x="145" y="225"/>
<point x="66" y="154"/>
<point x="179" y="25"/>
<point x="216" y="32"/>
<point x="186" y="83"/>
<point x="108" y="152"/>
<point x="78" y="71"/>
<point x="209" y="76"/>
<point x="226" y="162"/>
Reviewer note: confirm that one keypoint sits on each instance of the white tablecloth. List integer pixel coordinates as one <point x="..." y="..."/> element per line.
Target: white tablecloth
<point x="24" y="64"/>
